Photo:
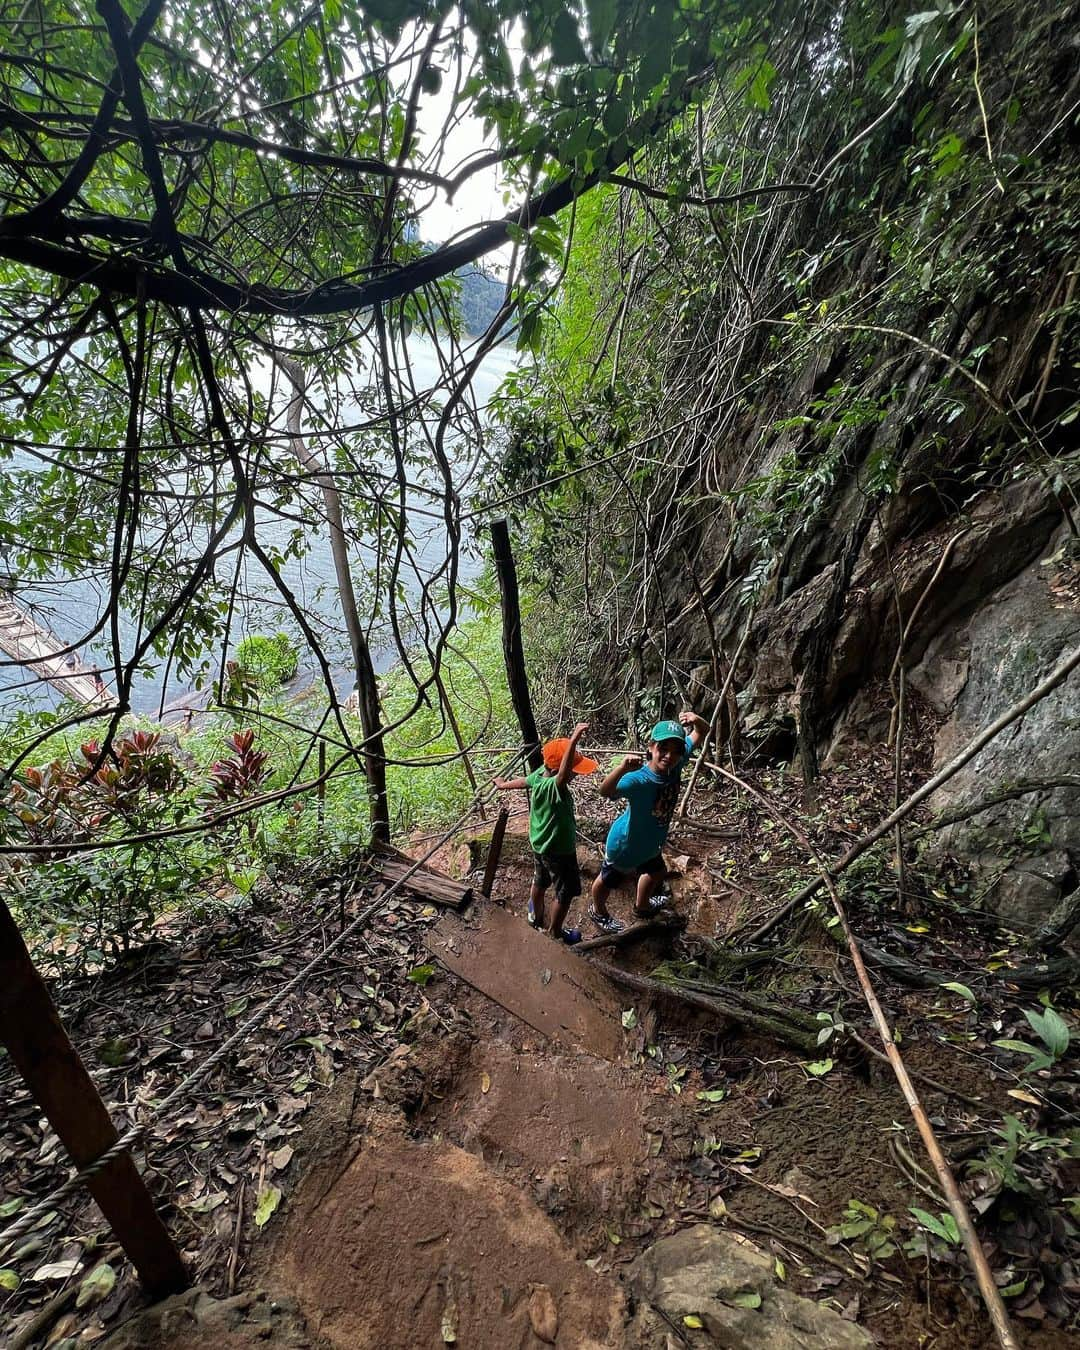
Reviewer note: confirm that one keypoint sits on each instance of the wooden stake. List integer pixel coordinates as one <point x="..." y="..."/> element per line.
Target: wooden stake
<point x="57" y="1077"/>
<point x="513" y="651"/>
<point x="494" y="852"/>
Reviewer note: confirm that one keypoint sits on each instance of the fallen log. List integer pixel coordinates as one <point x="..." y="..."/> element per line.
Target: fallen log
<point x="396" y="867"/>
<point x="1059" y="972"/>
<point x="761" y="1015"/>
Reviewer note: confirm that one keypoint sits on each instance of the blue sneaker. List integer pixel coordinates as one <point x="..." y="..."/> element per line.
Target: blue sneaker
<point x="571" y="936"/>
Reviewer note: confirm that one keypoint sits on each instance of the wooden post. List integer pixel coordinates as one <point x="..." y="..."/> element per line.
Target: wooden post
<point x="494" y="852"/>
<point x="57" y="1077"/>
<point x="513" y="651"/>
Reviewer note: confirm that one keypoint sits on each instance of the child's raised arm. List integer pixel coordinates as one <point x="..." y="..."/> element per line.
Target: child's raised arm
<point x="506" y="784"/>
<point x="696" y="726"/>
<point x="625" y="765"/>
<point x="566" y="768"/>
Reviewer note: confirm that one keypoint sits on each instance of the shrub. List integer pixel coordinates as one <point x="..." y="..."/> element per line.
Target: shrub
<point x="270" y="661"/>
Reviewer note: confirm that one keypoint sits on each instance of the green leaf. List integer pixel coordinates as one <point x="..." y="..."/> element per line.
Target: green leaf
<point x="269" y="1199"/>
<point x="1052" y="1030"/>
<point x="819" y="1067"/>
<point x="9" y="1280"/>
<point x="601" y="22"/>
<point x="954" y="987"/>
<point x="943" y="1227"/>
<point x="98" y="1285"/>
<point x="745" y="1298"/>
<point x="693" y="1321"/>
<point x="712" y="1095"/>
<point x="10" y="1207"/>
<point x="629" y="1018"/>
<point x="421" y="975"/>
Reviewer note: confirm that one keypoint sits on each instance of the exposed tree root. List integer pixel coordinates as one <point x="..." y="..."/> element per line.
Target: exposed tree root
<point x="764" y="1016"/>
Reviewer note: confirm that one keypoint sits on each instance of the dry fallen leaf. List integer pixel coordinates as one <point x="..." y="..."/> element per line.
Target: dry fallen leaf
<point x="543" y="1314"/>
<point x="449" y="1323"/>
<point x="56" y="1270"/>
<point x="485" y="1082"/>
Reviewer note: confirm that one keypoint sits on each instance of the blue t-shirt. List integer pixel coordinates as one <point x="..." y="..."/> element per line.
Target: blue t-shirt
<point x="641" y="831"/>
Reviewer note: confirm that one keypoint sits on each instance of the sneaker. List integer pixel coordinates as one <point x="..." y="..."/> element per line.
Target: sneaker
<point x="531" y="916"/>
<point x="571" y="936"/>
<point x="605" y="922"/>
<point x="654" y="905"/>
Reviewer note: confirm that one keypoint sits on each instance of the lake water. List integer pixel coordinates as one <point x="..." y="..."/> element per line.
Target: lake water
<point x="70" y="606"/>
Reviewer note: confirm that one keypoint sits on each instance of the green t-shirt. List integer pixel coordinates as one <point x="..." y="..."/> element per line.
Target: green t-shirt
<point x="552" y="828"/>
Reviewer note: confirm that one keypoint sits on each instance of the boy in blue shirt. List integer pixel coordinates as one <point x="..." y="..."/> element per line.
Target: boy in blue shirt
<point x="634" y="842"/>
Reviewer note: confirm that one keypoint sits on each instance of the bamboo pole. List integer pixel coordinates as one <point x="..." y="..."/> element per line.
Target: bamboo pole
<point x="1056" y="677"/>
<point x="983" y="1274"/>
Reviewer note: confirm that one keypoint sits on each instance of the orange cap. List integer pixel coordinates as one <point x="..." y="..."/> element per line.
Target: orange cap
<point x="553" y="753"/>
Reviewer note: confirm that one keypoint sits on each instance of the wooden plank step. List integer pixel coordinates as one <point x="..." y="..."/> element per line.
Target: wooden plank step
<point x="425" y="882"/>
<point x="538" y="980"/>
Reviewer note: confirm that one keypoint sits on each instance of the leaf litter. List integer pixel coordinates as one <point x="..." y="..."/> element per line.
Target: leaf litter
<point x="143" y="1026"/>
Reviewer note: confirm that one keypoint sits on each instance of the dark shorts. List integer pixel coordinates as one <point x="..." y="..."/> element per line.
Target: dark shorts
<point x="560" y="870"/>
<point x="613" y="876"/>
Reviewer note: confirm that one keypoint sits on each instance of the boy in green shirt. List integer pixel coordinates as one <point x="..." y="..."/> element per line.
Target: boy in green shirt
<point x="553" y="829"/>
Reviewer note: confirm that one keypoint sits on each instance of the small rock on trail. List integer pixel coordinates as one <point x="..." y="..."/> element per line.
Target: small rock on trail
<point x="731" y="1288"/>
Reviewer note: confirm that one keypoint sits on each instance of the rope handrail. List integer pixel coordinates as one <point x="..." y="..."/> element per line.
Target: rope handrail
<point x="31" y="1216"/>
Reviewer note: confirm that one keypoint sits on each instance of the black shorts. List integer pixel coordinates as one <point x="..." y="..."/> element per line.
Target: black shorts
<point x="613" y="876"/>
<point x="560" y="869"/>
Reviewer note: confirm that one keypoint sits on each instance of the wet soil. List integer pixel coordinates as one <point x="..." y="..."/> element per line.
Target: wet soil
<point x="488" y="1182"/>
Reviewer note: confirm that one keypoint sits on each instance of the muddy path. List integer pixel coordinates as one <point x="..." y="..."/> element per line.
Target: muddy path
<point x="500" y="1163"/>
<point x="507" y="1151"/>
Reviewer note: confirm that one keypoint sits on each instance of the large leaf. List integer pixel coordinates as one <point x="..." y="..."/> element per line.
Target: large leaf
<point x="96" y="1286"/>
<point x="268" y="1201"/>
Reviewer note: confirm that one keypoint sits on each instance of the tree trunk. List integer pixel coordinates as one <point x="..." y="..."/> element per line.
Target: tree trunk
<point x="513" y="651"/>
<point x="366" y="685"/>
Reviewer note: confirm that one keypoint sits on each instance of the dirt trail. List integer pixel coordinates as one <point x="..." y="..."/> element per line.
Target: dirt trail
<point x="492" y="1183"/>
<point x="418" y="1239"/>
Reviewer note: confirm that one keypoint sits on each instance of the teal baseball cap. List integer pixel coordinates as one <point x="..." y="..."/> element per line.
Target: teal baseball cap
<point x="667" y="731"/>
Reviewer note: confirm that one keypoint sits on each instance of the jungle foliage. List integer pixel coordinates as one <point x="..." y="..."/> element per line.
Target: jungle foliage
<point x="841" y="290"/>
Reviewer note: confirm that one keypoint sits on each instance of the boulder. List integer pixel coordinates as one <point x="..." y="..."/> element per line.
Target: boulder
<point x="731" y="1286"/>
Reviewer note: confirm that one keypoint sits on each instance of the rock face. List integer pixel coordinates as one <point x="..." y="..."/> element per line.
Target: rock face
<point x="991" y="600"/>
<point x="1026" y="850"/>
<point x="705" y="1273"/>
